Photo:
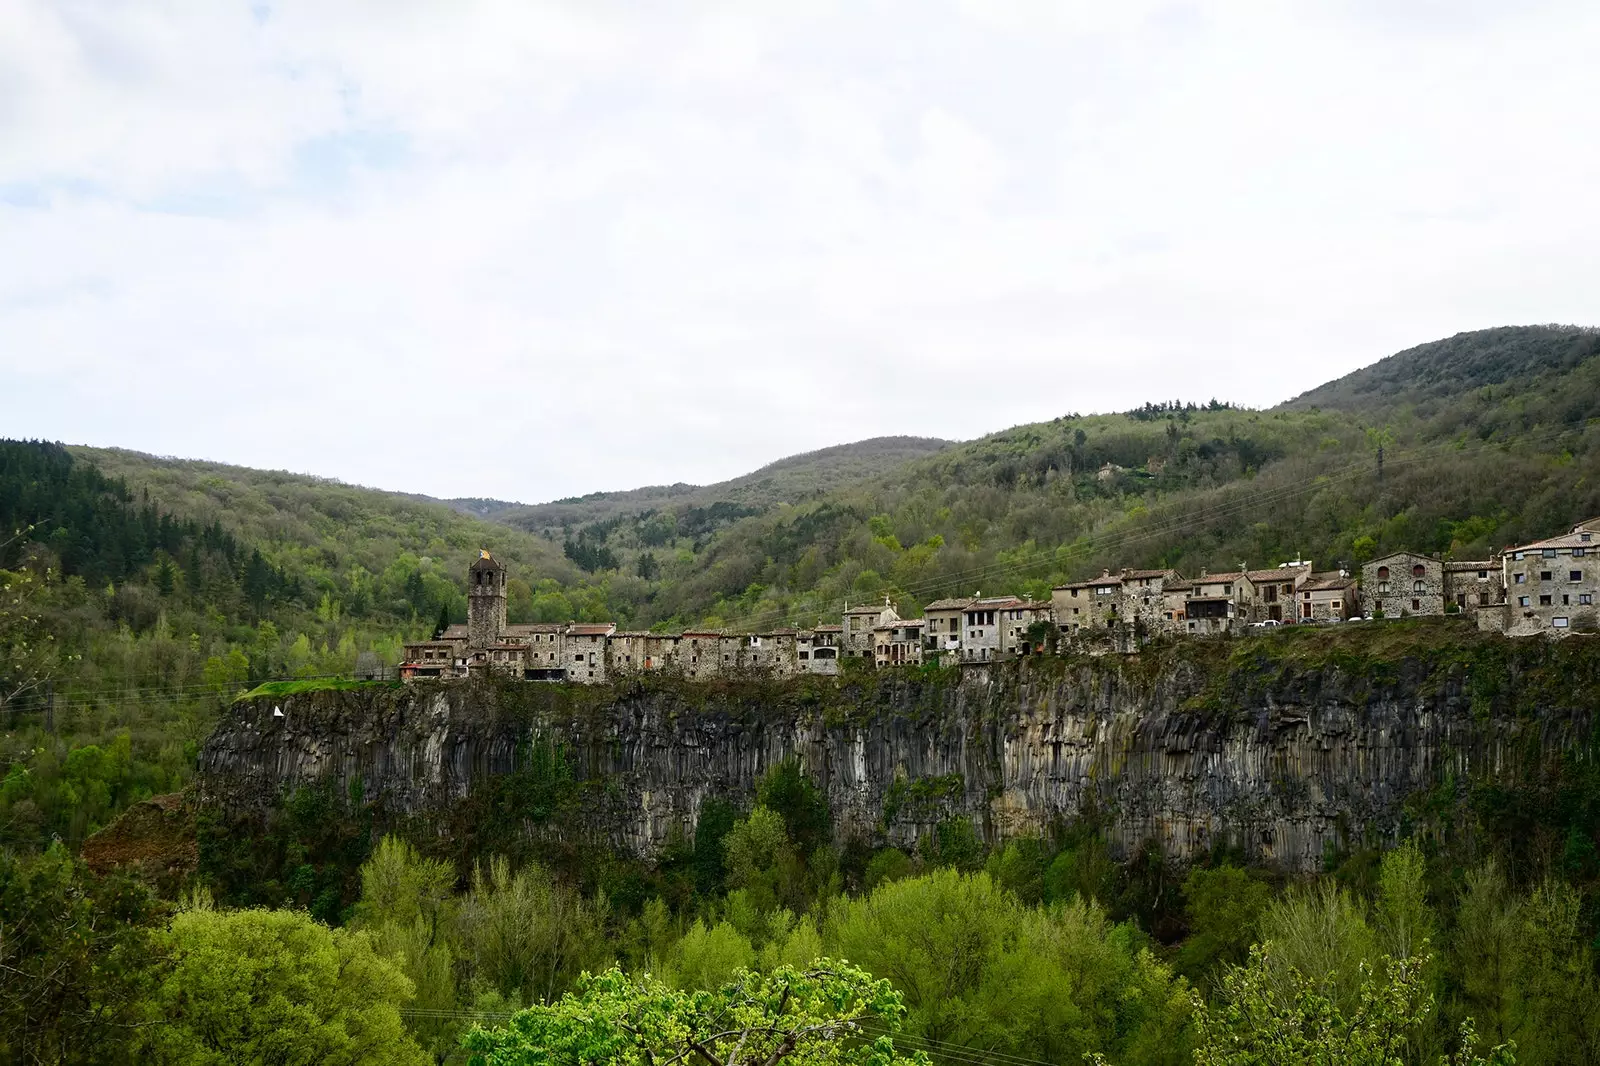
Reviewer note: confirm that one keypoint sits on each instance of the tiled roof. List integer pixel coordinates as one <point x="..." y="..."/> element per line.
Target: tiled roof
<point x="702" y="633"/>
<point x="1276" y="574"/>
<point x="1178" y="585"/>
<point x="947" y="605"/>
<point x="592" y="629"/>
<point x="1136" y="574"/>
<point x="829" y="629"/>
<point x="534" y="627"/>
<point x="1462" y="565"/>
<point x="1570" y="540"/>
<point x="1212" y="579"/>
<point x="996" y="602"/>
<point x="1328" y="581"/>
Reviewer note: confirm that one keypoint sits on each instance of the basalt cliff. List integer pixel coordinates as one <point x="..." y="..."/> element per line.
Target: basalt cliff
<point x="1283" y="746"/>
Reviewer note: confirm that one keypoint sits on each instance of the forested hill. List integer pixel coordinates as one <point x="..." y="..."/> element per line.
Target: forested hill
<point x="794" y="479"/>
<point x="1496" y="364"/>
<point x="1486" y="438"/>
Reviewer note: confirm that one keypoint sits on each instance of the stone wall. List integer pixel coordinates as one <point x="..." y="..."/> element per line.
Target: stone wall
<point x="1211" y="742"/>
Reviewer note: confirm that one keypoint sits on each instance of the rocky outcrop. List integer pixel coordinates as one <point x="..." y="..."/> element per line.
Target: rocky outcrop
<point x="1276" y="746"/>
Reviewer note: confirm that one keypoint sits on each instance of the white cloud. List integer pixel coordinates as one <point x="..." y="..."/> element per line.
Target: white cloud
<point x="531" y="250"/>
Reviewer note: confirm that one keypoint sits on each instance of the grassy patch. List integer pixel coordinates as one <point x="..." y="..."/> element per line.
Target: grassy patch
<point x="315" y="684"/>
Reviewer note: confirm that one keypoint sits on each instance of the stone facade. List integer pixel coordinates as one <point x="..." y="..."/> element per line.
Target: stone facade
<point x="1551" y="585"/>
<point x="858" y="626"/>
<point x="941" y="633"/>
<point x="1327" y="597"/>
<point x="486" y="601"/>
<point x="898" y="643"/>
<point x="1403" y="584"/>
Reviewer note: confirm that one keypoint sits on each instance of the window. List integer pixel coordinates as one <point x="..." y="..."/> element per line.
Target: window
<point x="1419" y="570"/>
<point x="1417" y="588"/>
<point x="1584" y="537"/>
<point x="1559" y="622"/>
<point x="1519" y="579"/>
<point x="1416" y="605"/>
<point x="1227" y="590"/>
<point x="1585" y="598"/>
<point x="1383" y="572"/>
<point x="1518" y="556"/>
<point x="1483" y="575"/>
<point x="1544" y="601"/>
<point x="1574" y="575"/>
<point x="1483" y="599"/>
<point x="1549" y="553"/>
<point x="1522" y="601"/>
<point x="1544" y="575"/>
<point x="1577" y="552"/>
<point x="1383" y="588"/>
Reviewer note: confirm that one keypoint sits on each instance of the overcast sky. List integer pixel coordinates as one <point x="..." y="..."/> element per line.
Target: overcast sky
<point x="530" y="249"/>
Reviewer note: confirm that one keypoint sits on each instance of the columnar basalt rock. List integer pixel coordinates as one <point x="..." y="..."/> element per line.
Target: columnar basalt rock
<point x="1280" y="760"/>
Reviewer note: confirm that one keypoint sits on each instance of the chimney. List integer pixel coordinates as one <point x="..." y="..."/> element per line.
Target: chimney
<point x="1202" y="571"/>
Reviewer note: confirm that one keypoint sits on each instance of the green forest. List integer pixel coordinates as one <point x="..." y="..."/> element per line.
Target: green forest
<point x="140" y="596"/>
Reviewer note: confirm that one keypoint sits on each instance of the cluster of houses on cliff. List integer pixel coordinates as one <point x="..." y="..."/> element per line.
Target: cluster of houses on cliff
<point x="1548" y="586"/>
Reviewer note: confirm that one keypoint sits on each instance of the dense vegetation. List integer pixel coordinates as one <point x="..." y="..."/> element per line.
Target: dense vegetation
<point x="139" y="596"/>
<point x="1039" y="952"/>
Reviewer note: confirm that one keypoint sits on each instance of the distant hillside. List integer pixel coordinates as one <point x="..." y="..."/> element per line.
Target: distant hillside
<point x="1440" y="374"/>
<point x="791" y="480"/>
<point x="1487" y="438"/>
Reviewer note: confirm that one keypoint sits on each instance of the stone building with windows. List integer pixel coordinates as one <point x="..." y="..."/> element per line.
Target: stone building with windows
<point x="898" y="643"/>
<point x="941" y="631"/>
<point x="859" y="622"/>
<point x="1403" y="584"/>
<point x="1327" y="597"/>
<point x="1550" y="585"/>
<point x="1272" y="591"/>
<point x="1083" y="608"/>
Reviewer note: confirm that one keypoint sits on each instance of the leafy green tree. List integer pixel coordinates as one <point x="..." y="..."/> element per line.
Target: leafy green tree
<point x="408" y="906"/>
<point x="75" y="961"/>
<point x="528" y="936"/>
<point x="981" y="971"/>
<point x="1262" y="1021"/>
<point x="1320" y="934"/>
<point x="1223" y="907"/>
<point x="275" y="986"/>
<point x="708" y="956"/>
<point x="831" y="1014"/>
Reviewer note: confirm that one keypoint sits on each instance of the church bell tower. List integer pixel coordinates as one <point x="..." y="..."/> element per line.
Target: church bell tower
<point x="486" y="601"/>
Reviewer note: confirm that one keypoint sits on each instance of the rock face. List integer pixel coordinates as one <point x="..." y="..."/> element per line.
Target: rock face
<point x="1283" y="757"/>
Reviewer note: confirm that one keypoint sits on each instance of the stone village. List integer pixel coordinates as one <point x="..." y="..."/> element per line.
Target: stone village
<point x="1547" y="587"/>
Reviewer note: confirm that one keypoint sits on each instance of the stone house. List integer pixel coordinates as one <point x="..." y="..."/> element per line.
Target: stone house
<point x="941" y="633"/>
<point x="1473" y="583"/>
<point x="1081" y="607"/>
<point x="858" y="626"/>
<point x="434" y="659"/>
<point x="898" y="643"/>
<point x="1015" y="623"/>
<point x="817" y="650"/>
<point x="1142" y="598"/>
<point x="1216" y="603"/>
<point x="586" y="651"/>
<point x="1327" y="597"/>
<point x="1272" y="591"/>
<point x="699" y="654"/>
<point x="770" y="653"/>
<point x="981" y="625"/>
<point x="1550" y="585"/>
<point x="546" y="658"/>
<point x="1402" y="584"/>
